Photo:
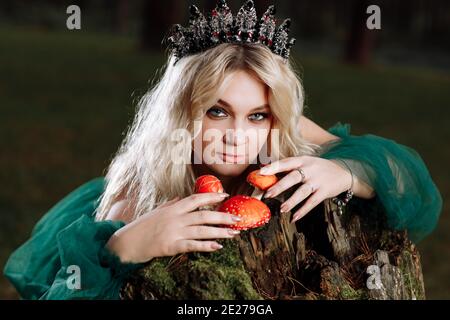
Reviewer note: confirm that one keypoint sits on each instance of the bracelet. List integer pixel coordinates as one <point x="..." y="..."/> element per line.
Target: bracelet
<point x="342" y="200"/>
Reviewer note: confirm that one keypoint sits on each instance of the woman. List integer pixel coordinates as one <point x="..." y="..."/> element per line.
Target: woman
<point x="90" y="241"/>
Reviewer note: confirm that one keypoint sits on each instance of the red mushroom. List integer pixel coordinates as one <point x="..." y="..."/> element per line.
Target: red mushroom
<point x="260" y="182"/>
<point x="254" y="212"/>
<point x="208" y="183"/>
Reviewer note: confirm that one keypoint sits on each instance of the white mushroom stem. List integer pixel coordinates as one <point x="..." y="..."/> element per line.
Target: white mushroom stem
<point x="257" y="193"/>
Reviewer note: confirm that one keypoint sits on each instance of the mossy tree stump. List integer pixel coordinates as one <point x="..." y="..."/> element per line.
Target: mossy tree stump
<point x="323" y="256"/>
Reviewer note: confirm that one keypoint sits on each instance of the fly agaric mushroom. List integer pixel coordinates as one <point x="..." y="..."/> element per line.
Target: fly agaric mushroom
<point x="261" y="183"/>
<point x="253" y="212"/>
<point x="208" y="183"/>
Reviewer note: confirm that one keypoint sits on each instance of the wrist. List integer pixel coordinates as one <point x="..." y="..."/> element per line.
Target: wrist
<point x="350" y="179"/>
<point x="123" y="244"/>
<point x="363" y="190"/>
<point x="117" y="246"/>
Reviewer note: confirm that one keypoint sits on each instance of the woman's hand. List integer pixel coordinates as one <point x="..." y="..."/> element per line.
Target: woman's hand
<point x="175" y="227"/>
<point x="321" y="179"/>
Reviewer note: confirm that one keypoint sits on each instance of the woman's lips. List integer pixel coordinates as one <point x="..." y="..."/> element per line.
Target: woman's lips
<point x="231" y="157"/>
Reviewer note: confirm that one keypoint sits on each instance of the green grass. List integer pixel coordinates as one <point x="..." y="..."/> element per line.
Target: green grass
<point x="66" y="99"/>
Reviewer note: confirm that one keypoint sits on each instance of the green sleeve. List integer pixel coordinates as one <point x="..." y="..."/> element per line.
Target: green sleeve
<point x="67" y="238"/>
<point x="397" y="173"/>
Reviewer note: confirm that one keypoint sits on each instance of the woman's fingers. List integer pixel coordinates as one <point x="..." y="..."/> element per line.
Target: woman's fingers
<point x="283" y="165"/>
<point x="197" y="200"/>
<point x="210" y="217"/>
<point x="298" y="196"/>
<point x="195" y="245"/>
<point x="310" y="204"/>
<point x="206" y="232"/>
<point x="292" y="178"/>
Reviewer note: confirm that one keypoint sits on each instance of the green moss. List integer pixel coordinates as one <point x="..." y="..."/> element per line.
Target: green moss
<point x="217" y="275"/>
<point x="159" y="277"/>
<point x="219" y="281"/>
<point x="411" y="282"/>
<point x="348" y="293"/>
<point x="223" y="273"/>
<point x="228" y="256"/>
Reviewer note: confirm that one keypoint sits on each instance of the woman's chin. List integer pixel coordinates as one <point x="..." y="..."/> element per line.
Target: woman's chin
<point x="228" y="169"/>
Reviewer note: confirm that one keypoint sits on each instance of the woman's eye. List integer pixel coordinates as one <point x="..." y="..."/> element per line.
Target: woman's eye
<point x="259" y="116"/>
<point x="216" y="112"/>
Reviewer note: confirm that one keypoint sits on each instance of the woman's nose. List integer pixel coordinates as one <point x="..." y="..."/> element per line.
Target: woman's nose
<point x="235" y="136"/>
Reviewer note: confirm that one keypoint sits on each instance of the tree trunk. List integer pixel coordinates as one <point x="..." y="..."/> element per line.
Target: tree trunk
<point x="360" y="40"/>
<point x="157" y="19"/>
<point x="122" y="16"/>
<point x="324" y="256"/>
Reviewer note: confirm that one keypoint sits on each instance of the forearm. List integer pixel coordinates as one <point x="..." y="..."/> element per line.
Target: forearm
<point x="398" y="176"/>
<point x="360" y="188"/>
<point x="363" y="190"/>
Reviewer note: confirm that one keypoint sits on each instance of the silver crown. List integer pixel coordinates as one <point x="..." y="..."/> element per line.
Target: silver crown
<point x="221" y="27"/>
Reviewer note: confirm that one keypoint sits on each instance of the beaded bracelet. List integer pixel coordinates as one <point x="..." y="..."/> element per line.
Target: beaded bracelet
<point x="343" y="199"/>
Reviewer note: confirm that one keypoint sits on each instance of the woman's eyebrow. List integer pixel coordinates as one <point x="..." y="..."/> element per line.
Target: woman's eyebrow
<point x="265" y="107"/>
<point x="260" y="108"/>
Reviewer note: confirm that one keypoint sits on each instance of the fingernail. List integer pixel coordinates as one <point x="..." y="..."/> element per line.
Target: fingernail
<point x="284" y="208"/>
<point x="224" y="195"/>
<point x="236" y="218"/>
<point x="294" y="219"/>
<point x="217" y="246"/>
<point x="268" y="195"/>
<point x="264" y="170"/>
<point x="233" y="232"/>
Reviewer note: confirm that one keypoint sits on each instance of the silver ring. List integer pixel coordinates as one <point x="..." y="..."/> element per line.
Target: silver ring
<point x="302" y="173"/>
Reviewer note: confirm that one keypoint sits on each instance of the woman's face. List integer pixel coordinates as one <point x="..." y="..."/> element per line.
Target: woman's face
<point x="236" y="128"/>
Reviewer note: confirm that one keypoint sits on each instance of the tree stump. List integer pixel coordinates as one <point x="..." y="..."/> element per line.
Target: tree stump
<point x="323" y="256"/>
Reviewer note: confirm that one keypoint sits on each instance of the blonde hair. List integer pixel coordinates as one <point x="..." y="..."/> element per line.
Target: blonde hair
<point x="142" y="169"/>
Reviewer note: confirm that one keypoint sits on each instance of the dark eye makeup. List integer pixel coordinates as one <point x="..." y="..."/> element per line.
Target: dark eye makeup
<point x="218" y="112"/>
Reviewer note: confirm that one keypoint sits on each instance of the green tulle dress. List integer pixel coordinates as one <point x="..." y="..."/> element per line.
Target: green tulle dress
<point x="68" y="236"/>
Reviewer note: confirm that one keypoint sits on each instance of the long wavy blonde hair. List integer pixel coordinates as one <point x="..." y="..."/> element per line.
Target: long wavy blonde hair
<point x="143" y="170"/>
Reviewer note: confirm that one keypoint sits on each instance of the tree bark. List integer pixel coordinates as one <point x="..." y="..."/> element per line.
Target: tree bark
<point x="122" y="18"/>
<point x="323" y="256"/>
<point x="360" y="40"/>
<point x="157" y="19"/>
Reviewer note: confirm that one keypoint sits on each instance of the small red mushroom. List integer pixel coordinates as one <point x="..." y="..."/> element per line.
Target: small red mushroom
<point x="208" y="183"/>
<point x="260" y="182"/>
<point x="253" y="212"/>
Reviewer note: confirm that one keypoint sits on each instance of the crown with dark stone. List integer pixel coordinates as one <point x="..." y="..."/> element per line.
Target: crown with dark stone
<point x="220" y="26"/>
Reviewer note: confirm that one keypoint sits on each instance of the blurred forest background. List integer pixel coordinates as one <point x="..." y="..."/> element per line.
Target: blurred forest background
<point x="67" y="96"/>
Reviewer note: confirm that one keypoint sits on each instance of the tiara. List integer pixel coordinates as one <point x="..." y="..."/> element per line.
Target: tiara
<point x="221" y="26"/>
